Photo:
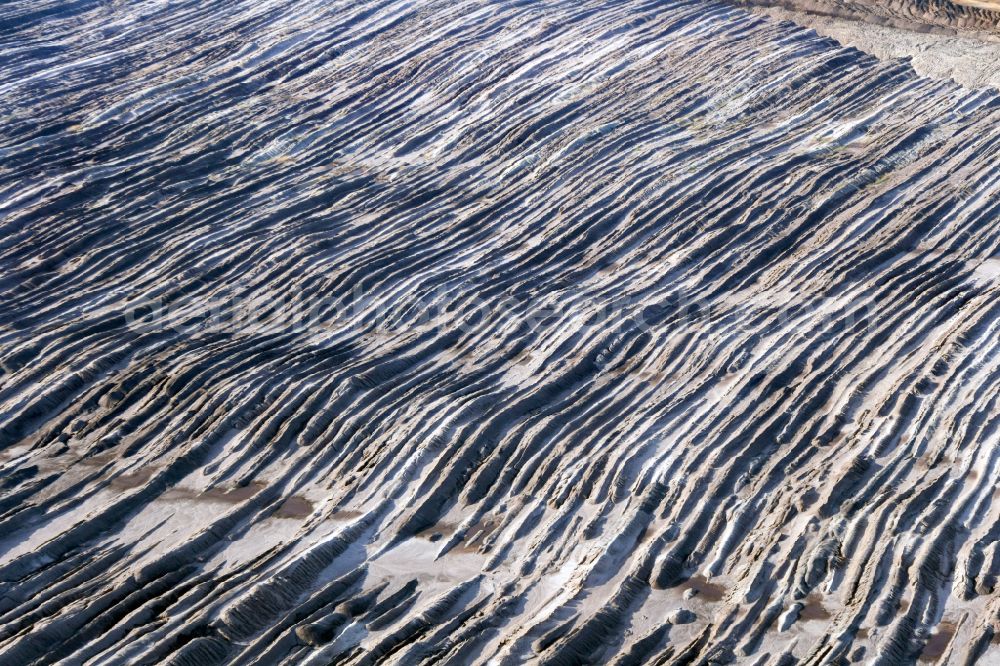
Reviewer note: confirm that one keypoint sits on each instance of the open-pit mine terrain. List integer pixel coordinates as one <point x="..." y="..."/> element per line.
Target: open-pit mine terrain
<point x="496" y="332"/>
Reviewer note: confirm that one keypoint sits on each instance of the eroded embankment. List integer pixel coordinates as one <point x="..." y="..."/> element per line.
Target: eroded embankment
<point x="979" y="18"/>
<point x="936" y="45"/>
<point x="467" y="331"/>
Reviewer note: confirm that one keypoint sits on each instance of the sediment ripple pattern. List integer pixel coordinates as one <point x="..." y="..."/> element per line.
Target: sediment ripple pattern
<point x="490" y="332"/>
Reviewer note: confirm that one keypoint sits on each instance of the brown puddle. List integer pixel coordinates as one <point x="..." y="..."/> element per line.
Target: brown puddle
<point x="938" y="642"/>
<point x="294" y="507"/>
<point x="813" y="609"/>
<point x="99" y="460"/>
<point x="346" y="514"/>
<point x="477" y="534"/>
<point x="132" y="479"/>
<point x="228" y="495"/>
<point x="473" y="538"/>
<point x="707" y="590"/>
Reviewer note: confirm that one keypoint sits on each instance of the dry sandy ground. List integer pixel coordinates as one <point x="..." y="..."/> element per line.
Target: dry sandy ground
<point x="968" y="60"/>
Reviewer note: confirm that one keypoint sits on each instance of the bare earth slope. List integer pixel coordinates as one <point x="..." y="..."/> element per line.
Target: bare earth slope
<point x="477" y="332"/>
<point x="967" y="59"/>
<point x="980" y="17"/>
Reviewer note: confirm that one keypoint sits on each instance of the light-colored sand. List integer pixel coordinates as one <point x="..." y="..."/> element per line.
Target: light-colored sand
<point x="970" y="61"/>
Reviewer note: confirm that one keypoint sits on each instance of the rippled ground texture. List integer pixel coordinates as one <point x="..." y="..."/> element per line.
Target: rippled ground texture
<point x="466" y="331"/>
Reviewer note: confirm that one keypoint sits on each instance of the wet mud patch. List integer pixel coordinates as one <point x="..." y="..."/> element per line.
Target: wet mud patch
<point x="346" y="514"/>
<point x="232" y="495"/>
<point x="133" y="479"/>
<point x="814" y="609"/>
<point x="475" y="537"/>
<point x="938" y="643"/>
<point x="705" y="589"/>
<point x="294" y="507"/>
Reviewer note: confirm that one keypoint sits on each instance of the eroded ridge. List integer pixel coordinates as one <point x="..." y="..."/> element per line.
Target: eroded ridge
<point x="634" y="332"/>
<point x="950" y="16"/>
